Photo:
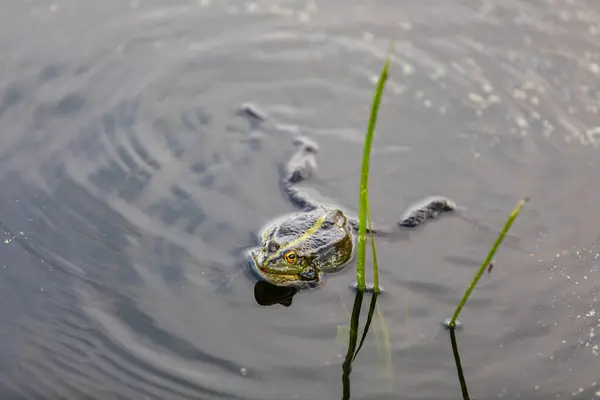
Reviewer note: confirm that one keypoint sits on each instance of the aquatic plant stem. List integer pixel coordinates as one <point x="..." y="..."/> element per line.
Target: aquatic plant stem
<point x="364" y="179"/>
<point x="372" y="239"/>
<point x="487" y="261"/>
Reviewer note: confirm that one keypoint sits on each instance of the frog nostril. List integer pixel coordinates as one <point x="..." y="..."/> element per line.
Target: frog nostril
<point x="273" y="247"/>
<point x="327" y="225"/>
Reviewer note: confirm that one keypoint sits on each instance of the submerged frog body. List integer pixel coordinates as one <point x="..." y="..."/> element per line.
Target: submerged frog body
<point x="297" y="249"/>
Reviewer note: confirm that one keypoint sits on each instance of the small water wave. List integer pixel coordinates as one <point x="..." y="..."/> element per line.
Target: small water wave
<point x="129" y="189"/>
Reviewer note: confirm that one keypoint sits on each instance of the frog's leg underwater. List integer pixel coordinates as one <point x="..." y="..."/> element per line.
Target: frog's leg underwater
<point x="303" y="164"/>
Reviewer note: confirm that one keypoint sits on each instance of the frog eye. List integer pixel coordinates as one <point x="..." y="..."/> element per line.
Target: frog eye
<point x="290" y="257"/>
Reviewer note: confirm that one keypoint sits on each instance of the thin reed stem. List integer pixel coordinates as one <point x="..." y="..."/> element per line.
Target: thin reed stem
<point x="488" y="260"/>
<point x="364" y="181"/>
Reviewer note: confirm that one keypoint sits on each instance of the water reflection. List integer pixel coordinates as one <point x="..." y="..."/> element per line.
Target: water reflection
<point x="354" y="345"/>
<point x="352" y="348"/>
<point x="135" y="184"/>
<point x="459" y="370"/>
<point x="267" y="294"/>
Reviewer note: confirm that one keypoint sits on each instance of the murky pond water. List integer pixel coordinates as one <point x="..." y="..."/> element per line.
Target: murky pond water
<point x="129" y="190"/>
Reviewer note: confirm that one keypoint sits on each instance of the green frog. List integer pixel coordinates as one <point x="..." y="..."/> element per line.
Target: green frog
<point x="297" y="249"/>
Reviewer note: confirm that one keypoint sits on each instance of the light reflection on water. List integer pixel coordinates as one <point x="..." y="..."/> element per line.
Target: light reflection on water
<point x="129" y="190"/>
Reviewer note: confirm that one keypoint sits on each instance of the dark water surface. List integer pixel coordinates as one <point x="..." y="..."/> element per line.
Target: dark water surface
<point x="128" y="191"/>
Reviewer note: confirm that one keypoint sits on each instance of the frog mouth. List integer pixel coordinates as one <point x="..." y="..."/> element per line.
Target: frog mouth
<point x="277" y="278"/>
<point x="303" y="275"/>
<point x="290" y="272"/>
<point x="273" y="274"/>
<point x="296" y="277"/>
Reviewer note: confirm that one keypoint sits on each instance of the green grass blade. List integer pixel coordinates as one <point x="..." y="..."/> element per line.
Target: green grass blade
<point x="364" y="179"/>
<point x="487" y="261"/>
<point x="372" y="239"/>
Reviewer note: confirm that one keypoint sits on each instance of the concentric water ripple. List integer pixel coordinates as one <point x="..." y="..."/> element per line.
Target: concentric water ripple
<point x="129" y="188"/>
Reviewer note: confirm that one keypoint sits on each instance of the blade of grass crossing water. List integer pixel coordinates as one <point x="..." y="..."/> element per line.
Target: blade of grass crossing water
<point x="372" y="239"/>
<point x="363" y="203"/>
<point x="488" y="260"/>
